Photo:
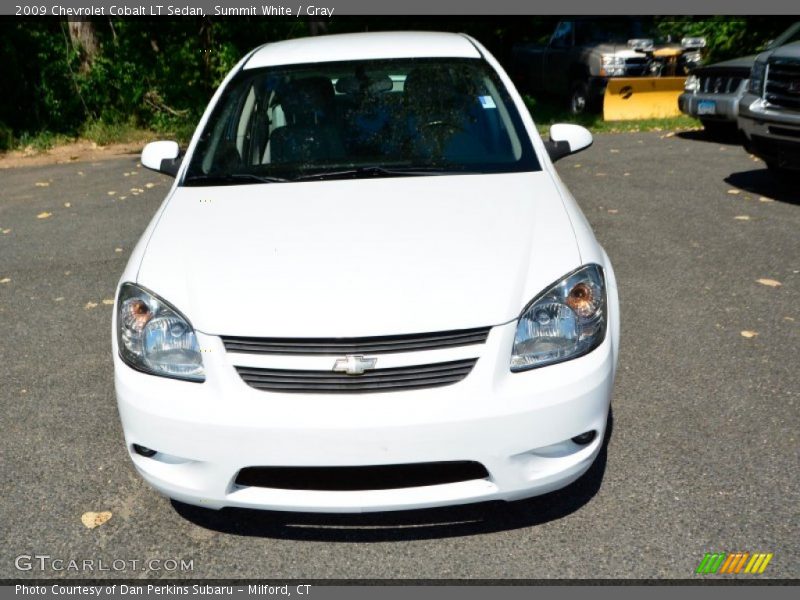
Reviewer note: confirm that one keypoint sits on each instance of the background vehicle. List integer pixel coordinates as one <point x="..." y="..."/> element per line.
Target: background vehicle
<point x="769" y="112"/>
<point x="712" y="92"/>
<point x="584" y="56"/>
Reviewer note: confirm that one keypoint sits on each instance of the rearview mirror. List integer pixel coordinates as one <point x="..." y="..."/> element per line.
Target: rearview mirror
<point x="566" y="139"/>
<point x="162" y="156"/>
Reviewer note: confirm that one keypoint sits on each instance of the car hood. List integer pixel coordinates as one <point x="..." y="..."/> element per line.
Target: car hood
<point x="616" y="49"/>
<point x="364" y="257"/>
<point x="788" y="51"/>
<point x="745" y="63"/>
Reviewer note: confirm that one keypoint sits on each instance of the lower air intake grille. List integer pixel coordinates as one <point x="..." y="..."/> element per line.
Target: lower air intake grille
<point x="365" y="345"/>
<point x="377" y="380"/>
<point x="348" y="479"/>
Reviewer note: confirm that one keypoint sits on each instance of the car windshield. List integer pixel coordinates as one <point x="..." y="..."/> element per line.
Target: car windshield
<point x="361" y="119"/>
<point x="604" y="31"/>
<point x="792" y="34"/>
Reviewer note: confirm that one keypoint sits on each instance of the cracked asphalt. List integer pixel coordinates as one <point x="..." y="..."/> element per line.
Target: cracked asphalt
<point x="703" y="454"/>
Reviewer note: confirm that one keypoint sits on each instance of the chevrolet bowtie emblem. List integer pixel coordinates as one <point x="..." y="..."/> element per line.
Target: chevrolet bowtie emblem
<point x="354" y="365"/>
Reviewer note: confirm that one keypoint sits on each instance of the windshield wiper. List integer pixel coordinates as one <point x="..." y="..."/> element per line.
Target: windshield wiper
<point x="375" y="171"/>
<point x="233" y="179"/>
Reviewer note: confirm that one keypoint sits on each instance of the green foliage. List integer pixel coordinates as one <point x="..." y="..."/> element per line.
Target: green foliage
<point x="727" y="37"/>
<point x="546" y="112"/>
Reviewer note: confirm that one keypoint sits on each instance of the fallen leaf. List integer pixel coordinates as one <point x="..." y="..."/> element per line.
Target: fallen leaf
<point x="600" y="174"/>
<point x="577" y="166"/>
<point x="614" y="151"/>
<point x="42" y="184"/>
<point x="765" y="199"/>
<point x="67" y="272"/>
<point x="108" y="301"/>
<point x="117" y="250"/>
<point x="670" y="134"/>
<point x="6" y="231"/>
<point x="788" y="319"/>
<point x="94" y="519"/>
<point x="149" y="185"/>
<point x="613" y="211"/>
<point x="769" y="282"/>
<point x="626" y="174"/>
<point x="742" y="218"/>
<point x="67" y="204"/>
<point x="59" y="299"/>
<point x="122" y="197"/>
<point x="80" y="173"/>
<point x="5" y="280"/>
<point x="90" y="305"/>
<point x="43" y="215"/>
<point x="749" y="334"/>
<point x="734" y="192"/>
<point x="111" y="193"/>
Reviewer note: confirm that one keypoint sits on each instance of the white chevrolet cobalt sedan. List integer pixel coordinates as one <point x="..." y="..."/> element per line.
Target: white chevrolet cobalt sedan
<point x="367" y="290"/>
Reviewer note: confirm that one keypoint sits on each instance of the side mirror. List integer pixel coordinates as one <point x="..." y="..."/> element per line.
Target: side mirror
<point x="567" y="139"/>
<point x="162" y="156"/>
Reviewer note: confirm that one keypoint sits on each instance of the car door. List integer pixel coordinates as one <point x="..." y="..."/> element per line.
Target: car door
<point x="558" y="57"/>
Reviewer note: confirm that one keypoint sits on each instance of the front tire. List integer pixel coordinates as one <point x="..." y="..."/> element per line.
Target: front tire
<point x="783" y="174"/>
<point x="579" y="98"/>
<point x="717" y="128"/>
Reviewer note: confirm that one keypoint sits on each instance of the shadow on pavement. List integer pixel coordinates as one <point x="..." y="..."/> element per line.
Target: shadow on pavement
<point x="765" y="183"/>
<point x="489" y="517"/>
<point x="718" y="135"/>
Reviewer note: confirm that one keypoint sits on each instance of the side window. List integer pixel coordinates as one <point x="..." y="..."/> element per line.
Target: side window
<point x="562" y="37"/>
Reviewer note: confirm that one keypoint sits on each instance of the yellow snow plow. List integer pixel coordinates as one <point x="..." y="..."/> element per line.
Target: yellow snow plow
<point x="634" y="98"/>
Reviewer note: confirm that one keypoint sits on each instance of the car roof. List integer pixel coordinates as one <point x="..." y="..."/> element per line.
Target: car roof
<point x="357" y="46"/>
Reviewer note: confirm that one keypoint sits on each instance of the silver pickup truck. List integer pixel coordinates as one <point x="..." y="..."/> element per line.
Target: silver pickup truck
<point x="584" y="53"/>
<point x="769" y="111"/>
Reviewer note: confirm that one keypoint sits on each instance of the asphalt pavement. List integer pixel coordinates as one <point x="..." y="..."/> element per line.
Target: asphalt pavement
<point x="703" y="454"/>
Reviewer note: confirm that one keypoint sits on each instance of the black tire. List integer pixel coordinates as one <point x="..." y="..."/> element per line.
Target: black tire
<point x="783" y="174"/>
<point x="718" y="128"/>
<point x="579" y="101"/>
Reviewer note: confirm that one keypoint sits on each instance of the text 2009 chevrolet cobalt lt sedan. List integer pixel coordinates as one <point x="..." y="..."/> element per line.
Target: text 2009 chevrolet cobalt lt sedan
<point x="367" y="290"/>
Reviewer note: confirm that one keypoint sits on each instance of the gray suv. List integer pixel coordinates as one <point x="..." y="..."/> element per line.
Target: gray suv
<point x="713" y="91"/>
<point x="769" y="111"/>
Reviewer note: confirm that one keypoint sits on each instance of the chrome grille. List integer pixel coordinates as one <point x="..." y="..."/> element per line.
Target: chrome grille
<point x="377" y="380"/>
<point x="720" y="84"/>
<point x="782" y="87"/>
<point x="636" y="66"/>
<point x="364" y="345"/>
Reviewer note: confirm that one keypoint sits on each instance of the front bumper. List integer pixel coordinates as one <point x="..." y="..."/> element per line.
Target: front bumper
<point x="771" y="133"/>
<point x="726" y="106"/>
<point x="518" y="426"/>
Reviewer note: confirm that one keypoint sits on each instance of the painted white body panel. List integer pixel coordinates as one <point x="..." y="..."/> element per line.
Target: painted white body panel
<point x="359" y="46"/>
<point x="360" y="257"/>
<point x="355" y="258"/>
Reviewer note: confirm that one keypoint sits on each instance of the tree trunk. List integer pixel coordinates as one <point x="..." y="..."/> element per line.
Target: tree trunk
<point x="84" y="39"/>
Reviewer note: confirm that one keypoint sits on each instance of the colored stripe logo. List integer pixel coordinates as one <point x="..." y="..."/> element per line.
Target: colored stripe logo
<point x="734" y="563"/>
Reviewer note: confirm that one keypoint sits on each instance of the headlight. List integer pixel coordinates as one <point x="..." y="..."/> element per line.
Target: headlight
<point x="154" y="337"/>
<point x="564" y="322"/>
<point x="613" y="65"/>
<point x="692" y="83"/>
<point x="757" y="77"/>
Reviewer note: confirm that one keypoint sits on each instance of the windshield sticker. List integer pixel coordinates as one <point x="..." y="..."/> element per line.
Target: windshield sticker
<point x="487" y="102"/>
